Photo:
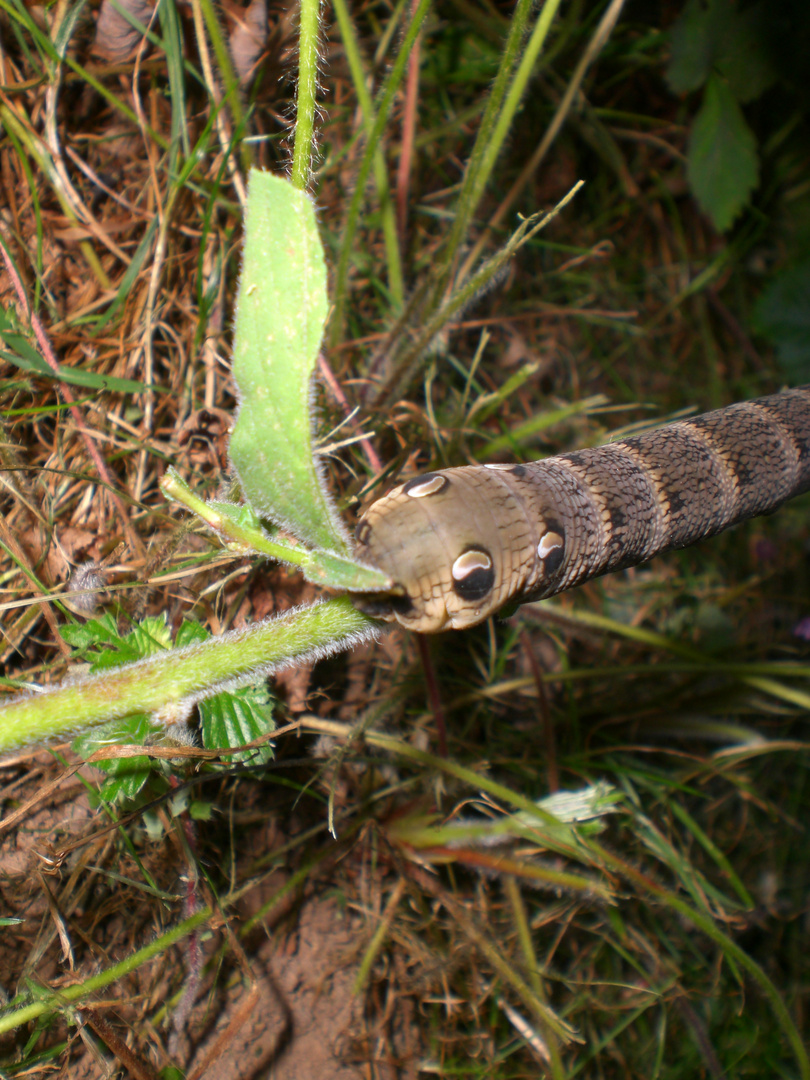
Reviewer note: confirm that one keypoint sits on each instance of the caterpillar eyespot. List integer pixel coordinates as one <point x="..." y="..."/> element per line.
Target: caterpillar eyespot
<point x="462" y="543"/>
<point x="473" y="574"/>
<point x="429" y="484"/>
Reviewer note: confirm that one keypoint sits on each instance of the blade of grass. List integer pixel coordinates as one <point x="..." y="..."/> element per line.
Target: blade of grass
<point x="43" y="42"/>
<point x="58" y="1000"/>
<point x="542" y="422"/>
<point x="733" y="953"/>
<point x="660" y="641"/>
<point x="496" y="122"/>
<point x="593" y="49"/>
<point x="360" y="81"/>
<point x="416" y="354"/>
<point x="385" y="101"/>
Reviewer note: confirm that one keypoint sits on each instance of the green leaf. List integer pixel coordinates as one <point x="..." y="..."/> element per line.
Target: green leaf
<point x="145" y="639"/>
<point x="783" y="315"/>
<point x="190" y="632"/>
<point x="238" y="717"/>
<point x="742" y="57"/>
<point x="718" y="36"/>
<point x="281" y="310"/>
<point x="723" y="164"/>
<point x="111" y="649"/>
<point x="200" y="811"/>
<point x="127" y="776"/>
<point x="693" y="42"/>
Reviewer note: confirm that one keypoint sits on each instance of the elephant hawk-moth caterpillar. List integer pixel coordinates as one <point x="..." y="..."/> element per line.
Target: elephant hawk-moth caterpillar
<point x="462" y="543"/>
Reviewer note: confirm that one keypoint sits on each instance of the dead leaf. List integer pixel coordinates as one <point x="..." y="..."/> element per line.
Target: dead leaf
<point x="116" y="38"/>
<point x="248" y="37"/>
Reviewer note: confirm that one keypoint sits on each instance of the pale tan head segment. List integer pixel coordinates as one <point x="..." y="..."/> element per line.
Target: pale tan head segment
<point x="457" y="544"/>
<point x="412" y="535"/>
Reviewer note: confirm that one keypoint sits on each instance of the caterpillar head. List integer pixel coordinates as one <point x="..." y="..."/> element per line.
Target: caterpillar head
<point x="458" y="546"/>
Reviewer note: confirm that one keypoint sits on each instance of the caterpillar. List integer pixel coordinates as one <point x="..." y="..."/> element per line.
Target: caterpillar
<point x="460" y="544"/>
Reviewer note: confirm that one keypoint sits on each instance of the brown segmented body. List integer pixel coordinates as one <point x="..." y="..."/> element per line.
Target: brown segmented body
<point x="462" y="543"/>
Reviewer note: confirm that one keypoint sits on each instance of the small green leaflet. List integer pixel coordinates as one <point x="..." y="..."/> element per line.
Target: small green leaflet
<point x="719" y="36"/>
<point x="693" y="44"/>
<point x="236" y="718"/>
<point x="280" y="316"/>
<point x="125" y="776"/>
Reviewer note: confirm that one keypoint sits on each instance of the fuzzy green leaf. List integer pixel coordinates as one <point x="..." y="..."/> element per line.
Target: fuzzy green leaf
<point x="723" y="165"/>
<point x="281" y="310"/>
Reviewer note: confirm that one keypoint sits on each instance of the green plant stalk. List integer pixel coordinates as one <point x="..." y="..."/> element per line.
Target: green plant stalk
<point x="378" y="940"/>
<point x="516" y="91"/>
<point x="524" y="934"/>
<point x="320" y="567"/>
<point x="168" y="682"/>
<point x="386" y="99"/>
<point x="480" y="164"/>
<point x="307" y="85"/>
<point x="79" y="991"/>
<point x="392" y="252"/>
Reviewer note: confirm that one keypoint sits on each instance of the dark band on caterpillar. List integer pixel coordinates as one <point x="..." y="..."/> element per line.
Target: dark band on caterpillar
<point x="462" y="543"/>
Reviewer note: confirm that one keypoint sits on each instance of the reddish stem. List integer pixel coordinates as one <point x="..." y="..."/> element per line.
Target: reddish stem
<point x="337" y="392"/>
<point x="408" y="131"/>
<point x="545" y="713"/>
<point x="50" y="359"/>
<point x="434" y="696"/>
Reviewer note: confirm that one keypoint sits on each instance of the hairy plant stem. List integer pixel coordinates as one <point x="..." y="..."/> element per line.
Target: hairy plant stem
<point x="166" y="683"/>
<point x="307" y="86"/>
<point x="482" y="159"/>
